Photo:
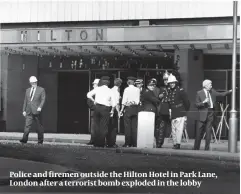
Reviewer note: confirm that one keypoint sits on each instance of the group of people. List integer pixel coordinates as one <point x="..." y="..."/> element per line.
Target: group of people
<point x="169" y="103"/>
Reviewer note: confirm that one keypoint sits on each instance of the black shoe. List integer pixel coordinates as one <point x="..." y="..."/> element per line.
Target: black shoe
<point x="40" y="143"/>
<point x="176" y="147"/>
<point x="90" y="143"/>
<point x="126" y="146"/>
<point x="22" y="141"/>
<point x="112" y="146"/>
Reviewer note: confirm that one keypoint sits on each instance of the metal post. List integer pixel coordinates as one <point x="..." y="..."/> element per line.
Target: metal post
<point x="89" y="123"/>
<point x="233" y="121"/>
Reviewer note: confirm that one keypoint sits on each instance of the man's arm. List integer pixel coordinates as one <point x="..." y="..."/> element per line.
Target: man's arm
<point x="91" y="93"/>
<point x="150" y="97"/>
<point x="198" y="102"/>
<point x="124" y="101"/>
<point x="43" y="98"/>
<point x="222" y="94"/>
<point x="25" y="102"/>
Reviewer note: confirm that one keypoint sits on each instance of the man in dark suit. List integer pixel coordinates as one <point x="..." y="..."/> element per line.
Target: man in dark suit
<point x="32" y="107"/>
<point x="205" y="102"/>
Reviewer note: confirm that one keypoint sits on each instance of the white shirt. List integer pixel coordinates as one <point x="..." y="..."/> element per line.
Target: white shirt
<point x="131" y="94"/>
<point x="103" y="95"/>
<point x="211" y="101"/>
<point x="116" y="94"/>
<point x="32" y="89"/>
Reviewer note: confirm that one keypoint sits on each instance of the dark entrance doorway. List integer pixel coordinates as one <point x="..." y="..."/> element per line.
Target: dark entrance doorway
<point x="73" y="114"/>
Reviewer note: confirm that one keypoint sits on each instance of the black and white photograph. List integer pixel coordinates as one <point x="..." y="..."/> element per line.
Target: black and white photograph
<point x="120" y="96"/>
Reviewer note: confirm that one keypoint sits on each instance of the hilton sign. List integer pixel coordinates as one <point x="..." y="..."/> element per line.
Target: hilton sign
<point x="63" y="35"/>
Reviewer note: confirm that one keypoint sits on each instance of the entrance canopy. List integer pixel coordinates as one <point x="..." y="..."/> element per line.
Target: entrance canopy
<point x="118" y="41"/>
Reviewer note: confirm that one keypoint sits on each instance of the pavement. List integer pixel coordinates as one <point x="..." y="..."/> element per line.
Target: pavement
<point x="218" y="150"/>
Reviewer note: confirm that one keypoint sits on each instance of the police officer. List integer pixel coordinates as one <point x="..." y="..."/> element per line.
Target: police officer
<point x="104" y="109"/>
<point x="130" y="102"/>
<point x="163" y="113"/>
<point x="139" y="83"/>
<point x="113" y="125"/>
<point x="179" y="105"/>
<point x="148" y="99"/>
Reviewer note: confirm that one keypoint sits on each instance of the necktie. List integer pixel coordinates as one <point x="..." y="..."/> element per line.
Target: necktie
<point x="209" y="99"/>
<point x="31" y="94"/>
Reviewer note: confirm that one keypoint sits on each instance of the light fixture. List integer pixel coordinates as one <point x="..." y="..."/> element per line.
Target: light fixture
<point x="50" y="64"/>
<point x="176" y="47"/>
<point x="209" y="46"/>
<point x="226" y="46"/>
<point x="192" y="47"/>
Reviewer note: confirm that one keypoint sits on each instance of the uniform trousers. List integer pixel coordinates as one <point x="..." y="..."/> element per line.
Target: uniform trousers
<point x="92" y="130"/>
<point x="202" y="127"/>
<point x="101" y="122"/>
<point x="112" y="130"/>
<point x="28" y="124"/>
<point x="130" y="123"/>
<point x="178" y="125"/>
<point x="162" y="126"/>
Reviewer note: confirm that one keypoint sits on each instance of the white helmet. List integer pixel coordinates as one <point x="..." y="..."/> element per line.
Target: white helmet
<point x="33" y="79"/>
<point x="171" y="79"/>
<point x="166" y="75"/>
<point x="96" y="81"/>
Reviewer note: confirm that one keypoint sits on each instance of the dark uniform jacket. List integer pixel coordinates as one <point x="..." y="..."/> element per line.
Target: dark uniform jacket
<point x="178" y="102"/>
<point x="164" y="105"/>
<point x="149" y="101"/>
<point x="203" y="107"/>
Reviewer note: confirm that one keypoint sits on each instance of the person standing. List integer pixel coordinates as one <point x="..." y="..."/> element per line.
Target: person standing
<point x="92" y="108"/>
<point x="113" y="126"/>
<point x="164" y="115"/>
<point x="104" y="109"/>
<point x="139" y="84"/>
<point x="149" y="100"/>
<point x="32" y="107"/>
<point x="205" y="102"/>
<point x="130" y="102"/>
<point x="179" y="105"/>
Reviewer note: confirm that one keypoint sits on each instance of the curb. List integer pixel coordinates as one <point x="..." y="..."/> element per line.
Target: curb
<point x="46" y="140"/>
<point x="195" y="154"/>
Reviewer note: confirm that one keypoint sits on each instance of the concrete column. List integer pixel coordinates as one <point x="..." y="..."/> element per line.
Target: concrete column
<point x="3" y="79"/>
<point x="192" y="75"/>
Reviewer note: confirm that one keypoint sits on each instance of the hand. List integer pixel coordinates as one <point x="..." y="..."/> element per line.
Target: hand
<point x="24" y="114"/>
<point x="39" y="109"/>
<point x="231" y="90"/>
<point x="120" y="114"/>
<point x="161" y="96"/>
<point x="111" y="114"/>
<point x="206" y="100"/>
<point x="94" y="103"/>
